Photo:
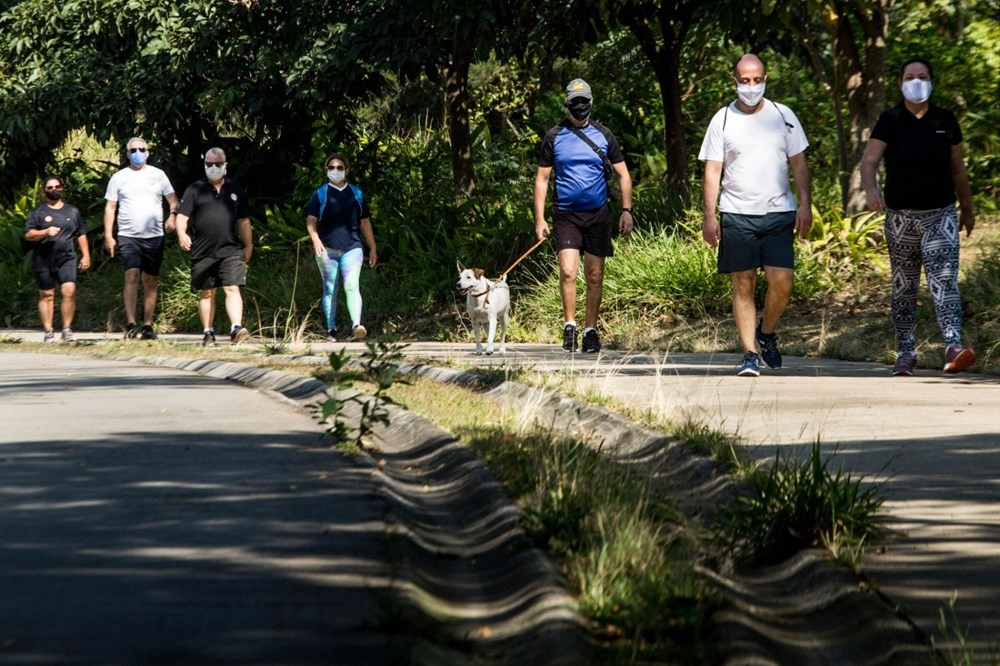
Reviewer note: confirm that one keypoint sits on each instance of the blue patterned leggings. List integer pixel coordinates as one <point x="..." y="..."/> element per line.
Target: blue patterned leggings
<point x="334" y="264"/>
<point x="928" y="239"/>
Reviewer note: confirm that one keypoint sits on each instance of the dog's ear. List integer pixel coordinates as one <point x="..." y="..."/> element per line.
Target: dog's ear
<point x="461" y="268"/>
<point x="478" y="272"/>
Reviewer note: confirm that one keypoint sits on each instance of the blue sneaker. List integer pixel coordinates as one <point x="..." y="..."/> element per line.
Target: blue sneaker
<point x="769" y="349"/>
<point x="750" y="367"/>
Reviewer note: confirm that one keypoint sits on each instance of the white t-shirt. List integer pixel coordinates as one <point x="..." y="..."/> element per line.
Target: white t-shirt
<point x="139" y="194"/>
<point x="754" y="150"/>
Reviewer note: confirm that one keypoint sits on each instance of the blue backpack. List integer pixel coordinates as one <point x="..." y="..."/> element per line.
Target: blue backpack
<point x="321" y="193"/>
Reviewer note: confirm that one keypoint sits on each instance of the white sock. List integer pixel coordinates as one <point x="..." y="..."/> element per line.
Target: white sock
<point x="570" y="323"/>
<point x="589" y="328"/>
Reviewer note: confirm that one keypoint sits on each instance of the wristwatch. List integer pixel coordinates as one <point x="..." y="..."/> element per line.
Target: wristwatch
<point x="626" y="209"/>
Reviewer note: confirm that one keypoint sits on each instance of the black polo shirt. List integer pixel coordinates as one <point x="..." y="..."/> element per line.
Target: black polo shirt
<point x="918" y="157"/>
<point x="213" y="215"/>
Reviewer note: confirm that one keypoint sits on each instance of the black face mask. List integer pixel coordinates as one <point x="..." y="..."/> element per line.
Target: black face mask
<point x="580" y="110"/>
<point x="54" y="195"/>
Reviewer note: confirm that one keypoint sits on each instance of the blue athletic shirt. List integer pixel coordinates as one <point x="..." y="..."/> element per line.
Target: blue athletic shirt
<point x="339" y="224"/>
<point x="580" y="183"/>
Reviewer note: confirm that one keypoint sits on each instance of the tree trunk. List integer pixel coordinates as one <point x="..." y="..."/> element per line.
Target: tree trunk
<point x="670" y="92"/>
<point x="456" y="75"/>
<point x="862" y="81"/>
<point x="664" y="55"/>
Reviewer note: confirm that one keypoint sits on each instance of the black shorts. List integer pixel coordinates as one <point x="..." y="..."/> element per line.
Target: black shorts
<point x="754" y="241"/>
<point x="146" y="254"/>
<point x="61" y="272"/>
<point x="212" y="273"/>
<point x="585" y="230"/>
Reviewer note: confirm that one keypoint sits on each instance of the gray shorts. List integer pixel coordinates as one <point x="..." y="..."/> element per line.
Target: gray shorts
<point x="754" y="241"/>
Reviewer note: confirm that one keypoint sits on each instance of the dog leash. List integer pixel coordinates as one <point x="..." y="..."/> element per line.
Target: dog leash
<point x="523" y="257"/>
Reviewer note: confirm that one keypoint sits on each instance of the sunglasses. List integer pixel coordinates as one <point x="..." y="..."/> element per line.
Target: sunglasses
<point x="136" y="150"/>
<point x="336" y="166"/>
<point x="215" y="164"/>
<point x="53" y="187"/>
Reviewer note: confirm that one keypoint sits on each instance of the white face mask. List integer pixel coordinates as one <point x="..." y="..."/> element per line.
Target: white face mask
<point x="336" y="175"/>
<point x="750" y="95"/>
<point x="215" y="172"/>
<point x="917" y="91"/>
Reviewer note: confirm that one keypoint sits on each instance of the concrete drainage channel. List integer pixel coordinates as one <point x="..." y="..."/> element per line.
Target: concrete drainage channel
<point x="469" y="590"/>
<point x="472" y="592"/>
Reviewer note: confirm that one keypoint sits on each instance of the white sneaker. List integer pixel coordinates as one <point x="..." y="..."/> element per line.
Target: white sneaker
<point x="359" y="332"/>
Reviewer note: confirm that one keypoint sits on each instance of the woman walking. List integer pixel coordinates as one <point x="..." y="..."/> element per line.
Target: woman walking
<point x="52" y="228"/>
<point x="924" y="171"/>
<point x="337" y="218"/>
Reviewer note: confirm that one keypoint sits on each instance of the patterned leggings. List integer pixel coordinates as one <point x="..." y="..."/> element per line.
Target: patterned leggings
<point x="930" y="239"/>
<point x="333" y="264"/>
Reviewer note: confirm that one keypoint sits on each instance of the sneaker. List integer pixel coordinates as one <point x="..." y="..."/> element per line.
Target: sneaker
<point x="50" y="336"/>
<point x="147" y="332"/>
<point x="359" y="332"/>
<point x="239" y="335"/>
<point x="591" y="343"/>
<point x="958" y="358"/>
<point x="569" y="338"/>
<point x="750" y="367"/>
<point x="131" y="331"/>
<point x="331" y="336"/>
<point x="209" y="339"/>
<point x="906" y="364"/>
<point x="67" y="334"/>
<point x="769" y="348"/>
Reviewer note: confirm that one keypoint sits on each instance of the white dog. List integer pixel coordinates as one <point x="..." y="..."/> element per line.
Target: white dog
<point x="485" y="301"/>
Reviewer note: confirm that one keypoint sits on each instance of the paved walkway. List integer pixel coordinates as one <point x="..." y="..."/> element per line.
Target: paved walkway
<point x="933" y="440"/>
<point x="152" y="516"/>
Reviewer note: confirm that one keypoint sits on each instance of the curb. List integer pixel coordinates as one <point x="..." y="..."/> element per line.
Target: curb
<point x="471" y="589"/>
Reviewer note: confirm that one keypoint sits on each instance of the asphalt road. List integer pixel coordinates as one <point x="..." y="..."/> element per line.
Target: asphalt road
<point x="932" y="441"/>
<point x="153" y="516"/>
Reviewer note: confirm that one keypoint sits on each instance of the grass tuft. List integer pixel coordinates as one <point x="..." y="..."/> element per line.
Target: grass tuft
<point x="797" y="504"/>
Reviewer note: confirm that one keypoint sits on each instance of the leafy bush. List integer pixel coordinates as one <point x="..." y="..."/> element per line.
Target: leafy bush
<point x="18" y="295"/>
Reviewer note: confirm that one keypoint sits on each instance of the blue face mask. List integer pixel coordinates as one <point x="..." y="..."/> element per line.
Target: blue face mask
<point x="137" y="158"/>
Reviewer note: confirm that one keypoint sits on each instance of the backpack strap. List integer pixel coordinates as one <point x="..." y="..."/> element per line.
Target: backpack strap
<point x="725" y="116"/>
<point x="321" y="195"/>
<point x="608" y="167"/>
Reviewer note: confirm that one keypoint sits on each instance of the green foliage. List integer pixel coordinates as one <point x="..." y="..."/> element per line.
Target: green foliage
<point x="18" y="293"/>
<point x="797" y="504"/>
<point x="845" y="246"/>
<point x="379" y="367"/>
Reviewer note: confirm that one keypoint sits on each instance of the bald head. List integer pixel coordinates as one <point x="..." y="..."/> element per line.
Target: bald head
<point x="215" y="155"/>
<point x="749" y="69"/>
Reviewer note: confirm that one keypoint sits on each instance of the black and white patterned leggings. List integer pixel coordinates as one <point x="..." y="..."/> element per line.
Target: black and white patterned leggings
<point x="928" y="239"/>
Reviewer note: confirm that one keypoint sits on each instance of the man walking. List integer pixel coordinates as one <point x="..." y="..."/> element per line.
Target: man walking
<point x="750" y="144"/>
<point x="220" y="219"/>
<point x="136" y="193"/>
<point x="584" y="154"/>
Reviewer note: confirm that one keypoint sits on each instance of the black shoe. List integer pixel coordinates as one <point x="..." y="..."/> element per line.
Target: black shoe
<point x="569" y="338"/>
<point x="769" y="349"/>
<point x="591" y="343"/>
<point x="332" y="335"/>
<point x="209" y="339"/>
<point x="131" y="331"/>
<point x="239" y="335"/>
<point x="147" y="332"/>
